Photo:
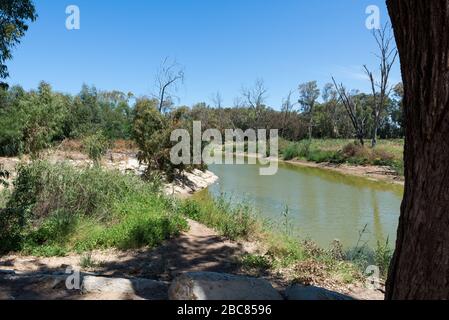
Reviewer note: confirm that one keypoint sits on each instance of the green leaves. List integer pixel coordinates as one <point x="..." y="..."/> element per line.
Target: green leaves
<point x="14" y="16"/>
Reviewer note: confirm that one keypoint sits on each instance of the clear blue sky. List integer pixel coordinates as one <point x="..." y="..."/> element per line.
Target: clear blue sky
<point x="223" y="45"/>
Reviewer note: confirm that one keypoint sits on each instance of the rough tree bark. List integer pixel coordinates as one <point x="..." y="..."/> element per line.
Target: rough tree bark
<point x="420" y="267"/>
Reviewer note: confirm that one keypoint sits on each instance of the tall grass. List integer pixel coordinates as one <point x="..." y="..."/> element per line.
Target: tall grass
<point x="54" y="209"/>
<point x="232" y="221"/>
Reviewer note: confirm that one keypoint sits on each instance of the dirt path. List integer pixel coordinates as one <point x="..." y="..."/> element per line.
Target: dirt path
<point x="199" y="249"/>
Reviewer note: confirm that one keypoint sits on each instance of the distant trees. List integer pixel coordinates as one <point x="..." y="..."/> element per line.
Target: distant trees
<point x="31" y="121"/>
<point x="14" y="16"/>
<point x="308" y="95"/>
<point x="254" y="98"/>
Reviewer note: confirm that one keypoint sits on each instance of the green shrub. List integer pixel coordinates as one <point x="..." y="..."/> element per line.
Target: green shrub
<point x="96" y="146"/>
<point x="297" y="150"/>
<point x="291" y="152"/>
<point x="57" y="208"/>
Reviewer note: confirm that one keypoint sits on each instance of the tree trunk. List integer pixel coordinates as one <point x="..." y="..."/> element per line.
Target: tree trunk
<point x="311" y="124"/>
<point x="374" y="138"/>
<point x="420" y="266"/>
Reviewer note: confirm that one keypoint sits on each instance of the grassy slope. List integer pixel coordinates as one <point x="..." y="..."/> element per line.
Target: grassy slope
<point x="55" y="209"/>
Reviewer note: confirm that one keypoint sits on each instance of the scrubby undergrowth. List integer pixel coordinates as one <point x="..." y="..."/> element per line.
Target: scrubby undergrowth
<point x="387" y="153"/>
<point x="54" y="209"/>
<point x="281" y="251"/>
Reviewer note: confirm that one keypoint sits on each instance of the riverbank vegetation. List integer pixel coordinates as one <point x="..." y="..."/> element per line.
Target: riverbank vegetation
<point x="387" y="152"/>
<point x="283" y="252"/>
<point x="56" y="209"/>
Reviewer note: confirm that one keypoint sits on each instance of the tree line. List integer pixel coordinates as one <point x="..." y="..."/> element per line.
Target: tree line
<point x="33" y="120"/>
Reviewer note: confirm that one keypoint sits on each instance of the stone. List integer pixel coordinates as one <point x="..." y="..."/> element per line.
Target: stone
<point x="219" y="286"/>
<point x="145" y="288"/>
<point x="298" y="292"/>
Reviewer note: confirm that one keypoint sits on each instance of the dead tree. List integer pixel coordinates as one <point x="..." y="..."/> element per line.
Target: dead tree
<point x="255" y="99"/>
<point x="355" y="111"/>
<point x="168" y="76"/>
<point x="287" y="108"/>
<point x="381" y="88"/>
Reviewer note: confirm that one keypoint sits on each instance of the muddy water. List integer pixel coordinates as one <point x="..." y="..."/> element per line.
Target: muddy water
<point x="322" y="205"/>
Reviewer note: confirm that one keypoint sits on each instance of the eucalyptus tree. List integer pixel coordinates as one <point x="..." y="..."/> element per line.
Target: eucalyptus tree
<point x="14" y="18"/>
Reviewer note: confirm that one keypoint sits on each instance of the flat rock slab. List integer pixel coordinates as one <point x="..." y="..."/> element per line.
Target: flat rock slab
<point x="144" y="288"/>
<point x="54" y="287"/>
<point x="219" y="286"/>
<point x="298" y="292"/>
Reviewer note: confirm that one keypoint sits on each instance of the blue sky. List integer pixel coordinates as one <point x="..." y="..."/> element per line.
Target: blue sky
<point x="222" y="44"/>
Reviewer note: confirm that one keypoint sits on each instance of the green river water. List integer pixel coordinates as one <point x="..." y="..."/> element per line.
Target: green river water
<point x="323" y="205"/>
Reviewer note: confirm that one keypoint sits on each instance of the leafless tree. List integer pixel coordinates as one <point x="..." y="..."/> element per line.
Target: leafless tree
<point x="287" y="108"/>
<point x="217" y="100"/>
<point x="354" y="109"/>
<point x="381" y="88"/>
<point x="170" y="74"/>
<point x="255" y="98"/>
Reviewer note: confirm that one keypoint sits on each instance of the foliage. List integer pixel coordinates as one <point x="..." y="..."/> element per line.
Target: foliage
<point x="15" y="14"/>
<point x="96" y="146"/>
<point x="233" y="222"/>
<point x="387" y="153"/>
<point x="54" y="209"/>
<point x="34" y="120"/>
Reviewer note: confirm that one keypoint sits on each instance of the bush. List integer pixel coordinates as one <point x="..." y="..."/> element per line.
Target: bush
<point x="291" y="152"/>
<point x="56" y="208"/>
<point x="96" y="146"/>
<point x="297" y="150"/>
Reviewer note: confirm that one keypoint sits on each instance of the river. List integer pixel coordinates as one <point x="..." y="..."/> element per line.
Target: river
<point x="323" y="205"/>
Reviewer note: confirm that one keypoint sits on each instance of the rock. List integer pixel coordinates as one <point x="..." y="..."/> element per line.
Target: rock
<point x="145" y="288"/>
<point x="7" y="272"/>
<point x="298" y="292"/>
<point x="218" y="286"/>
